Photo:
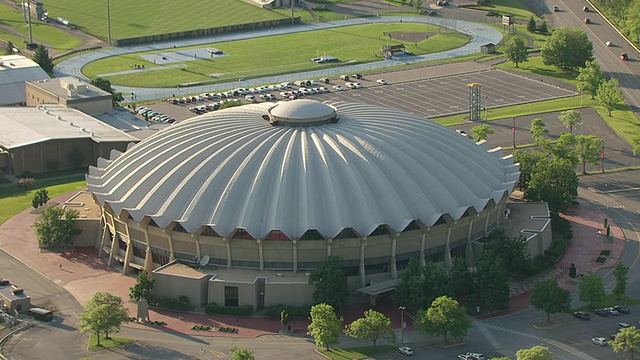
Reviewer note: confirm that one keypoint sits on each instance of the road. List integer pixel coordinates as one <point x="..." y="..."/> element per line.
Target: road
<point x="571" y="14"/>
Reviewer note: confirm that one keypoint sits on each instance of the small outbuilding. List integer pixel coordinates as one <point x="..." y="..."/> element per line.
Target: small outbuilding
<point x="390" y="50"/>
<point x="488" y="48"/>
<point x="15" y="299"/>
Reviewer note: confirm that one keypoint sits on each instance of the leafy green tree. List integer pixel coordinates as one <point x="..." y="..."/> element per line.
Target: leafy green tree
<point x="492" y="283"/>
<point x="570" y="119"/>
<point x="105" y="85"/>
<point x="481" y="132"/>
<point x="417" y="5"/>
<point x="325" y="325"/>
<point x="42" y="58"/>
<point x="40" y="198"/>
<point x="527" y="160"/>
<point x="537" y="352"/>
<point x="371" y="327"/>
<point x="537" y="128"/>
<point x="565" y="148"/>
<point x="543" y="28"/>
<point x="284" y="317"/>
<point x="627" y="340"/>
<point x="610" y="95"/>
<point x="588" y="149"/>
<point x="620" y="272"/>
<point x="632" y="22"/>
<point x="460" y="278"/>
<point x="143" y="286"/>
<point x="590" y="78"/>
<point x="591" y="289"/>
<point x="9" y="48"/>
<point x="103" y="313"/>
<point x="56" y="226"/>
<point x="435" y="283"/>
<point x="555" y="182"/>
<point x="531" y="25"/>
<point x="550" y="298"/>
<point x="409" y="291"/>
<point x="512" y="250"/>
<point x="444" y="317"/>
<point x="567" y="48"/>
<point x="331" y="283"/>
<point x="241" y="354"/>
<point x="635" y="143"/>
<point x="516" y="51"/>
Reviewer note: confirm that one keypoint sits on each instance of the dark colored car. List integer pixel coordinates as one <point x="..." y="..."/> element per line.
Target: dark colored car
<point x="624" y="56"/>
<point x="587" y="21"/>
<point x="585" y="9"/>
<point x="581" y="315"/>
<point x="622" y="309"/>
<point x="601" y="312"/>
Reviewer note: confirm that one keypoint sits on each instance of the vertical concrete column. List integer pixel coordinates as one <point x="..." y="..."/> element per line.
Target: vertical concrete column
<point x="469" y="249"/>
<point x="172" y="255"/>
<point x="104" y="237"/>
<point x="394" y="267"/>
<point x="362" y="272"/>
<point x="423" y="243"/>
<point x="295" y="256"/>
<point x="148" y="260"/>
<point x="128" y="255"/>
<point x="486" y="223"/>
<point x="114" y="243"/>
<point x="261" y="253"/>
<point x="329" y="242"/>
<point x="447" y="250"/>
<point x="228" y="247"/>
<point x="196" y="240"/>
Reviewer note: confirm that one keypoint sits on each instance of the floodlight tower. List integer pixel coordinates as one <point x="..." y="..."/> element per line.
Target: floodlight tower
<point x="108" y="24"/>
<point x="475" y="101"/>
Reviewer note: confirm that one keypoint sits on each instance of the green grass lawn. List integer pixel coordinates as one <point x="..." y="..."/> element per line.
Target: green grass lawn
<point x="42" y="33"/>
<point x="516" y="8"/>
<point x="264" y="56"/>
<point x="610" y="300"/>
<point x="107" y="343"/>
<point x="14" y="200"/>
<point x="140" y="18"/>
<point x="357" y="352"/>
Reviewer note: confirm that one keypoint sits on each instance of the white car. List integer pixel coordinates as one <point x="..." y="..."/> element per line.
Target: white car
<point x="461" y="132"/>
<point x="609" y="43"/>
<point x="406" y="351"/>
<point x="382" y="82"/>
<point x="251" y="98"/>
<point x="600" y="341"/>
<point x="338" y="88"/>
<point x="356" y="85"/>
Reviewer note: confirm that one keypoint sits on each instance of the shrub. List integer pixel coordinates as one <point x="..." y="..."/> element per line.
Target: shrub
<point x="605" y="252"/>
<point x="212" y="308"/>
<point x="26" y="183"/>
<point x="201" y="328"/>
<point x="181" y="303"/>
<point x="228" y="330"/>
<point x="601" y="259"/>
<point x="293" y="311"/>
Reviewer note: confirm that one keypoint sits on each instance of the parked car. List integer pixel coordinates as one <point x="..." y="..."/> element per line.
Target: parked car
<point x="471" y="356"/>
<point x="581" y="315"/>
<point x="556" y="9"/>
<point x="337" y="88"/>
<point x="382" y="81"/>
<point x="612" y="311"/>
<point x="251" y="98"/>
<point x="600" y="341"/>
<point x="624" y="56"/>
<point x="622" y="309"/>
<point x="585" y="9"/>
<point x="587" y="21"/>
<point x="358" y="76"/>
<point x="406" y="351"/>
<point x="609" y="43"/>
<point x="323" y="80"/>
<point x="601" y="312"/>
<point x="344" y="77"/>
<point x="623" y="325"/>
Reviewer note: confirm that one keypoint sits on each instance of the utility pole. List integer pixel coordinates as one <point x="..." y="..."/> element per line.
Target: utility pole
<point x="513" y="131"/>
<point x="30" y="30"/>
<point x="108" y="24"/>
<point x="401" y="325"/>
<point x="602" y="156"/>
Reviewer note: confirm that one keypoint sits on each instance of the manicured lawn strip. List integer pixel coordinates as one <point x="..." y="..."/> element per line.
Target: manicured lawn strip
<point x="275" y="55"/>
<point x="516" y="8"/>
<point x="14" y="200"/>
<point x="609" y="301"/>
<point x="356" y="352"/>
<point x="111" y="342"/>
<point x="17" y="40"/>
<point x="141" y="18"/>
<point x="42" y="33"/>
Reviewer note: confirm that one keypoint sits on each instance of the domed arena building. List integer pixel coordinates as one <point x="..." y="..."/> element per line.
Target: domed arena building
<point x="238" y="206"/>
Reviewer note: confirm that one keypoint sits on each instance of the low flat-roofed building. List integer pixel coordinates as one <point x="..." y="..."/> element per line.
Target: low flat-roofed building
<point x="15" y="299"/>
<point x="53" y="137"/>
<point x="15" y="70"/>
<point x="531" y="221"/>
<point x="70" y="92"/>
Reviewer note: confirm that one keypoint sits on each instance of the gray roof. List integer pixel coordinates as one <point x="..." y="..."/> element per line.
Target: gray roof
<point x="26" y="125"/>
<point x="56" y="86"/>
<point x="232" y="169"/>
<point x="14" y="71"/>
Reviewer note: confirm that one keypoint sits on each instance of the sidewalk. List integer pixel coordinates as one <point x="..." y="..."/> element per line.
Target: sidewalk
<point x="82" y="273"/>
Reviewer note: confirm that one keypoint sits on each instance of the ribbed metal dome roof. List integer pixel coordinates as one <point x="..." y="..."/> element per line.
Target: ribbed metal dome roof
<point x="232" y="169"/>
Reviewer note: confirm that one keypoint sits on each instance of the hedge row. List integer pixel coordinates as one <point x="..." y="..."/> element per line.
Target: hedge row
<point x="181" y="303"/>
<point x="293" y="311"/>
<point x="213" y="308"/>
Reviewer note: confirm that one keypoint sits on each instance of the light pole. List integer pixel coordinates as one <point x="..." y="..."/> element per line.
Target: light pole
<point x="108" y="24"/>
<point x="401" y="325"/>
<point x="486" y="109"/>
<point x="602" y="156"/>
<point x="513" y="131"/>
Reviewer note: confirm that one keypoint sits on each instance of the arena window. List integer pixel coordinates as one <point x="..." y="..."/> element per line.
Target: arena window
<point x="242" y="234"/>
<point x="210" y="232"/>
<point x="276" y="235"/>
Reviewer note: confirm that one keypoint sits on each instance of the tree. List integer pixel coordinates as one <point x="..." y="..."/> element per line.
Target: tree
<point x="42" y="58"/>
<point x="531" y="25"/>
<point x="371" y="327"/>
<point x="460" y="277"/>
<point x="620" y="272"/>
<point x="543" y="28"/>
<point x="241" y="354"/>
<point x="512" y="250"/>
<point x="444" y="317"/>
<point x="481" y="132"/>
<point x="40" y="198"/>
<point x="550" y="298"/>
<point x="567" y="48"/>
<point x="417" y="5"/>
<point x="492" y="284"/>
<point x="103" y="313"/>
<point x="627" y="340"/>
<point x="409" y="291"/>
<point x="325" y="325"/>
<point x="591" y="289"/>
<point x="610" y="95"/>
<point x="537" y="352"/>
<point x="516" y="51"/>
<point x="284" y="318"/>
<point x="527" y="161"/>
<point x="56" y="226"/>
<point x="590" y="78"/>
<point x="537" y="128"/>
<point x="588" y="149"/>
<point x="104" y="84"/>
<point x="331" y="283"/>
<point x="9" y="48"/>
<point x="635" y="142"/>
<point x="435" y="283"/>
<point x="555" y="182"/>
<point x="143" y="286"/>
<point x="565" y="148"/>
<point x="570" y="119"/>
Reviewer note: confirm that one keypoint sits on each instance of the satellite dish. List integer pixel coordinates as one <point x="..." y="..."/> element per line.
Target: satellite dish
<point x="204" y="261"/>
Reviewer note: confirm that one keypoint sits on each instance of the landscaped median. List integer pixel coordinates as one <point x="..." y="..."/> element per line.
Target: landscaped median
<point x="355" y="352"/>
